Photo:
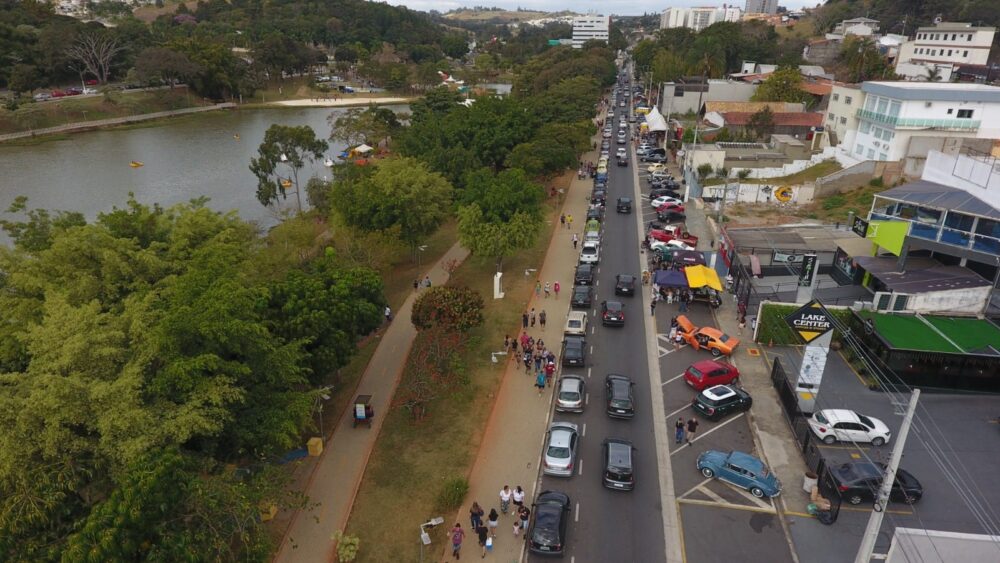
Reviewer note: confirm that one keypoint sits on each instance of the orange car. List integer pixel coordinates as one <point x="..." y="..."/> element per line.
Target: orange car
<point x="706" y="337"/>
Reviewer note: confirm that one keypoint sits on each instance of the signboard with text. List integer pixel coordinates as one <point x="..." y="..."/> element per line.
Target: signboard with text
<point x="860" y="227"/>
<point x="808" y="272"/>
<point x="810" y="322"/>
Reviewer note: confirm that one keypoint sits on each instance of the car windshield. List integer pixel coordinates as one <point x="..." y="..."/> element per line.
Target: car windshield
<point x="614" y="307"/>
<point x="590" y="250"/>
<point x="621" y="403"/>
<point x="569" y="396"/>
<point x="820" y="418"/>
<point x="558" y="452"/>
<point x="575" y="323"/>
<point x="708" y="400"/>
<point x="866" y="421"/>
<point x="724" y="338"/>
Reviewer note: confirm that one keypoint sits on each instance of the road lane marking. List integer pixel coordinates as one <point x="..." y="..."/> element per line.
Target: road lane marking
<point x="576" y="518"/>
<point x="586" y="401"/>
<point x="580" y="472"/>
<point x="685" y="407"/>
<point x="694" y="488"/>
<point x="707" y="432"/>
<point x="584" y="429"/>
<point x="588" y="372"/>
<point x="674" y="378"/>
<point x="593" y="328"/>
<point x="591" y="348"/>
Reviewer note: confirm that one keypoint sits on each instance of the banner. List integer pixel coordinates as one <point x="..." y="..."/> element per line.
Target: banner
<point x="810" y="322"/>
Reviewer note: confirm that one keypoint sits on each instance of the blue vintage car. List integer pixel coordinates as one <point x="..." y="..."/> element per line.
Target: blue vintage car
<point x="740" y="469"/>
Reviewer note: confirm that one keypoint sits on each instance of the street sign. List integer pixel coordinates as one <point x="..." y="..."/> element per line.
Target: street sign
<point x="860" y="227"/>
<point x="779" y="257"/>
<point x="811" y="321"/>
<point x="808" y="272"/>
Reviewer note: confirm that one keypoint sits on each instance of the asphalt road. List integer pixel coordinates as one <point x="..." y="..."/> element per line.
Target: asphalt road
<point x="608" y="525"/>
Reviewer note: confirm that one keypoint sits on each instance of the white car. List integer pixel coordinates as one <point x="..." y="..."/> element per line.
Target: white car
<point x="607" y="134"/>
<point x="652" y="168"/>
<point x="670" y="245"/>
<point x="622" y="151"/>
<point x="833" y="425"/>
<point x="622" y="139"/>
<point x="576" y="323"/>
<point x="590" y="253"/>
<point x="643" y="148"/>
<point x="664" y="199"/>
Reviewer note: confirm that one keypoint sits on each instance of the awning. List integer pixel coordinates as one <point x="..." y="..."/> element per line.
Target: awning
<point x="670" y="278"/>
<point x="700" y="276"/>
<point x="655" y="120"/>
<point x="363" y="148"/>
<point x="855" y="246"/>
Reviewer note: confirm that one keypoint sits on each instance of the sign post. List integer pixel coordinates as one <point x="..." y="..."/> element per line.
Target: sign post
<point x="813" y="323"/>
<point x="807" y="278"/>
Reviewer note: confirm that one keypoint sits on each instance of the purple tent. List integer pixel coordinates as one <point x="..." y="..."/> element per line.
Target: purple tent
<point x="670" y="278"/>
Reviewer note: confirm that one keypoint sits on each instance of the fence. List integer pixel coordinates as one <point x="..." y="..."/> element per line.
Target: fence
<point x="803" y="437"/>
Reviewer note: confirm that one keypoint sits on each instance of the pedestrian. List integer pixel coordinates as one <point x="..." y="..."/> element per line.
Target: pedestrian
<point x="684" y="302"/>
<point x="524" y="512"/>
<point x="476" y="515"/>
<point x="517" y="528"/>
<point x="569" y="221"/>
<point x="540" y="382"/>
<point x="670" y="296"/>
<point x="527" y="361"/>
<point x="506" y="342"/>
<point x="518" y="498"/>
<point x="692" y="427"/>
<point x="576" y="239"/>
<point x="562" y="218"/>
<point x="388" y="314"/>
<point x="513" y="347"/>
<point x="427" y="281"/>
<point x="524" y="319"/>
<point x="416" y="284"/>
<point x="538" y="360"/>
<point x="524" y="334"/>
<point x="493" y="520"/>
<point x="534" y="317"/>
<point x="550" y="370"/>
<point x="457" y="535"/>
<point x="484" y="537"/>
<point x="541" y="319"/>
<point x="652" y="308"/>
<point x="555" y="287"/>
<point x="505" y="494"/>
<point x="538" y="289"/>
<point x="742" y="325"/>
<point x="548" y="290"/>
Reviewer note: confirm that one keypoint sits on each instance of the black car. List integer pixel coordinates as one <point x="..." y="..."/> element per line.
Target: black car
<point x="574" y="350"/>
<point x="860" y="480"/>
<point x="670" y="216"/>
<point x="657" y="192"/>
<point x="601" y="184"/>
<point x="619" y="469"/>
<point x="599" y="197"/>
<point x="547" y="534"/>
<point x="625" y="284"/>
<point x="718" y="401"/>
<point x="619" y="394"/>
<point x="622" y="161"/>
<point x="584" y="275"/>
<point x="624" y="205"/>
<point x="612" y="313"/>
<point x="583" y="297"/>
<point x="655" y="157"/>
<point x="595" y="212"/>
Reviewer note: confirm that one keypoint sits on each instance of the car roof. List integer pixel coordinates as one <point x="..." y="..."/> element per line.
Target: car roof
<point x="582" y="289"/>
<point x="626" y="277"/>
<point x="571" y="382"/>
<point x="619" y="452"/>
<point x="574" y="339"/>
<point x="625" y="199"/>
<point x="552" y="496"/>
<point x="584" y="267"/>
<point x="746" y="461"/>
<point x="839" y="415"/>
<point x="559" y="435"/>
<point x="576" y="315"/>
<point x="710" y="331"/>
<point x="615" y="305"/>
<point x="855" y="470"/>
<point x="719" y="392"/>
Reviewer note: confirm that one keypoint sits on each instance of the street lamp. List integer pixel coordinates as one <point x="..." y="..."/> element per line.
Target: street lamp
<point x="425" y="538"/>
<point x="324" y="395"/>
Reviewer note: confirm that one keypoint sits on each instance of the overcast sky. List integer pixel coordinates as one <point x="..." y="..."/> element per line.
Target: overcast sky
<point x="619" y="7"/>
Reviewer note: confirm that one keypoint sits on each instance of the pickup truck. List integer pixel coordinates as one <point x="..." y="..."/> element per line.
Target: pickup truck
<point x="672" y="232"/>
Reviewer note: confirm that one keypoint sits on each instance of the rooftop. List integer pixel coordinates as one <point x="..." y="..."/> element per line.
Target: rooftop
<point x="921" y="275"/>
<point x="952" y="335"/>
<point x="751" y="107"/>
<point x="939" y="196"/>
<point x="934" y="91"/>
<point x="818" y="238"/>
<point x="954" y="26"/>
<point x="781" y="119"/>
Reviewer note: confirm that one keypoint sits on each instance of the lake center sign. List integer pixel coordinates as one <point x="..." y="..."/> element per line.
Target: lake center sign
<point x="811" y="321"/>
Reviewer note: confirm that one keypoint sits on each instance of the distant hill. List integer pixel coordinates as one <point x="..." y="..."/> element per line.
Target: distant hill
<point x="892" y="13"/>
<point x="500" y="16"/>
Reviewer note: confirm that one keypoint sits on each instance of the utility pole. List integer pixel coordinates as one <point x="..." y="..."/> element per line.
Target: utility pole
<point x="878" y="510"/>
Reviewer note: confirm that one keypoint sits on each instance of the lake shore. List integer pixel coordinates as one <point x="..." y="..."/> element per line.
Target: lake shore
<point x="338" y="103"/>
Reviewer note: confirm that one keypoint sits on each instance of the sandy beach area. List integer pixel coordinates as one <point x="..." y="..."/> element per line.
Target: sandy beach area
<point x="341" y="102"/>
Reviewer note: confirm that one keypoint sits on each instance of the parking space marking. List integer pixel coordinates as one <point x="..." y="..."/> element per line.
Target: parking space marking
<point x="685" y="407"/>
<point x="674" y="378"/>
<point x="584" y="429"/>
<point x="693" y="489"/>
<point x="711" y="494"/>
<point x="856" y="509"/>
<point x="576" y="518"/>
<point x="588" y="374"/>
<point x="726" y="505"/>
<point x="586" y="401"/>
<point x="743" y="493"/>
<point x="709" y="431"/>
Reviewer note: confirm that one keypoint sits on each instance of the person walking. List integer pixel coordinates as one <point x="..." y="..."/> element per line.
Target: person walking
<point x="652" y="308"/>
<point x="457" y="535"/>
<point x="388" y="314"/>
<point x="527" y="361"/>
<point x="538" y="360"/>
<point x="576" y="239"/>
<point x="540" y="382"/>
<point x="555" y="287"/>
<point x="416" y="284"/>
<point x="679" y="430"/>
<point x="524" y="320"/>
<point x="692" y="427"/>
<point x="506" y="342"/>
<point x="493" y="520"/>
<point x="562" y="218"/>
<point x="742" y="325"/>
<point x="518" y="497"/>
<point x="524" y="512"/>
<point x="550" y="370"/>
<point x="548" y="290"/>
<point x="569" y="221"/>
<point x="538" y="289"/>
<point x="505" y="495"/>
<point x="684" y="302"/>
<point x="427" y="281"/>
<point x="484" y="538"/>
<point x="534" y="317"/>
<point x="541" y="317"/>
<point x="476" y="515"/>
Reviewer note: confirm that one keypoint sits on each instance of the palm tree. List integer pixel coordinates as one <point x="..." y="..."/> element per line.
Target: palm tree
<point x="934" y="74"/>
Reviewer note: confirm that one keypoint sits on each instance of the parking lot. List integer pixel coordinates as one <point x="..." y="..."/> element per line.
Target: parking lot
<point x="952" y="450"/>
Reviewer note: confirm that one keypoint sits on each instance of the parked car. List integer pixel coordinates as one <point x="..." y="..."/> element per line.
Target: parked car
<point x="622" y="151"/>
<point x="643" y="148"/>
<point x="622" y="161"/>
<point x="622" y="139"/>
<point x="709" y="373"/>
<point x="583" y="297"/>
<point x="605" y="145"/>
<point x="663" y="200"/>
<point x="708" y="338"/>
<point x="547" y="532"/>
<point x="42" y="97"/>
<point x="833" y="425"/>
<point x="670" y="233"/>
<point x="595" y="212"/>
<point x="607" y="133"/>
<point x="590" y="253"/>
<point x="670" y="245"/>
<point x="58" y="94"/>
<point x="670" y="216"/>
<point x="625" y="284"/>
<point x="612" y="313"/>
<point x="584" y="275"/>
<point x="673" y="207"/>
<point x="599" y="197"/>
<point x="742" y="470"/>
<point x="574" y="351"/>
<point x="654" y="168"/>
<point x="576" y="323"/>
<point x="859" y="481"/>
<point x="570" y="394"/>
<point x="624" y="205"/>
<point x="560" y="449"/>
<point x="618" y="389"/>
<point x="619" y="468"/>
<point x="659" y="192"/>
<point x="716" y="402"/>
<point x="660" y="158"/>
<point x="74" y="91"/>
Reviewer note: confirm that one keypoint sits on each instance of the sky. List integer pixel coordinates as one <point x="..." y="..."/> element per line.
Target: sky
<point x="618" y="7"/>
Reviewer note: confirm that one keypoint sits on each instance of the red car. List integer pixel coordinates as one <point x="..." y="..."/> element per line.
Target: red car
<point x="709" y="373"/>
<point x="675" y="207"/>
<point x="667" y="235"/>
<point x="91" y="82"/>
<point x="58" y="94"/>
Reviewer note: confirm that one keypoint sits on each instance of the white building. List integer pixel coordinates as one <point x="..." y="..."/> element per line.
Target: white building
<point x="862" y="27"/>
<point x="698" y="18"/>
<point x="842" y="113"/>
<point x="943" y="46"/>
<point x="590" y="28"/>
<point x="762" y="7"/>
<point x="903" y="121"/>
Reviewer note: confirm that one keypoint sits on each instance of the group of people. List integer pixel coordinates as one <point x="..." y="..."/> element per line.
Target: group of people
<point x="669" y="294"/>
<point x="535" y="355"/>
<point x="486" y="530"/>
<point x="529" y="318"/>
<point x="587" y="170"/>
<point x="680" y="427"/>
<point x="547" y="288"/>
<point x="417" y="284"/>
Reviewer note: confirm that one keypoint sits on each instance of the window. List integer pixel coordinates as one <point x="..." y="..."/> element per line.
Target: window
<point x="969" y="38"/>
<point x="949" y="52"/>
<point x="870" y="103"/>
<point x="954" y="36"/>
<point x="866" y="127"/>
<point x="883" y="104"/>
<point x="878" y="133"/>
<point x="871" y="154"/>
<point x="830" y="117"/>
<point x="965" y="54"/>
<point x="859" y="149"/>
<point x="836" y="97"/>
<point x="894" y="108"/>
<point x="965" y="114"/>
<point x="883" y="156"/>
<point x="950" y="110"/>
<point x="848" y="100"/>
<point x="843" y="120"/>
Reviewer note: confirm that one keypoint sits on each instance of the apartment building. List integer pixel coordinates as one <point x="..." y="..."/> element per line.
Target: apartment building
<point x="943" y="46"/>
<point x="841" y="113"/>
<point x="698" y="18"/>
<point x="762" y="7"/>
<point x="590" y="28"/>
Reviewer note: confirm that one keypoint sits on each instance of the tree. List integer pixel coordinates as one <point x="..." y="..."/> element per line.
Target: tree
<point x="160" y="63"/>
<point x="399" y="192"/>
<point x="933" y="74"/>
<point x="23" y="78"/>
<point x="451" y="309"/>
<point x="502" y="195"/>
<point x="784" y="85"/>
<point x="862" y="60"/>
<point x="704" y="171"/>
<point x="667" y="66"/>
<point x="761" y="124"/>
<point x="287" y="146"/>
<point x="496" y="239"/>
<point x="369" y="125"/>
<point x="96" y="52"/>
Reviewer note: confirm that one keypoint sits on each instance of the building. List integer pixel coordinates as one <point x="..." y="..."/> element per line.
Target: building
<point x="762" y="7"/>
<point x="863" y="27"/>
<point x="684" y="95"/>
<point x="944" y="45"/>
<point x="800" y="125"/>
<point x="590" y="28"/>
<point x="902" y="121"/>
<point x="698" y="18"/>
<point x="842" y="113"/>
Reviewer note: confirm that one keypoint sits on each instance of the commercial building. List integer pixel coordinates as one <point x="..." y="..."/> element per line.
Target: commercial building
<point x="698" y="18"/>
<point x="762" y="7"/>
<point x="683" y="96"/>
<point x="902" y="121"/>
<point x="590" y="28"/>
<point x="944" y="46"/>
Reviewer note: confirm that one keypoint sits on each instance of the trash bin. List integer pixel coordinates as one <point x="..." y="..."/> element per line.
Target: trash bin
<point x="809" y="481"/>
<point x="315" y="446"/>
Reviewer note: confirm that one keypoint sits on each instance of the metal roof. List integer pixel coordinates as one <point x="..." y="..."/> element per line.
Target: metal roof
<point x="939" y="196"/>
<point x="934" y="91"/>
<point x="921" y="275"/>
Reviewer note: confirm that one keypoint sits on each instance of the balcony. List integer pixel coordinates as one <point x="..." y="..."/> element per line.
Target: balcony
<point x="947" y="235"/>
<point x="918" y="123"/>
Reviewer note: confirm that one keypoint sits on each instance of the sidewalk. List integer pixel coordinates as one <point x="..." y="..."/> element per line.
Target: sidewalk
<point x="511" y="443"/>
<point x="337" y="475"/>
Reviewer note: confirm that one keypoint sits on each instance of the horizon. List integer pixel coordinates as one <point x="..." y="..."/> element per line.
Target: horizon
<point x="618" y="7"/>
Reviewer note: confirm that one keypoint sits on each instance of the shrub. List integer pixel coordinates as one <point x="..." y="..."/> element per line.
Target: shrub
<point x="877" y="182"/>
<point x="833" y="202"/>
<point x="453" y="493"/>
<point x="347" y="546"/>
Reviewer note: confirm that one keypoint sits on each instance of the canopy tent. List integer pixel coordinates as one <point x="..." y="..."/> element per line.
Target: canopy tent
<point x="701" y="276"/>
<point x="656" y="121"/>
<point x="363" y="149"/>
<point x="686" y="258"/>
<point x="670" y="278"/>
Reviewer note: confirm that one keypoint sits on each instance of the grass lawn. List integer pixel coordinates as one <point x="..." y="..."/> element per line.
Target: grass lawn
<point x="399" y="285"/>
<point x="411" y="461"/>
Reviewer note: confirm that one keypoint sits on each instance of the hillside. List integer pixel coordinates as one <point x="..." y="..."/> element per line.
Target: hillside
<point x="892" y="13"/>
<point x="500" y="16"/>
